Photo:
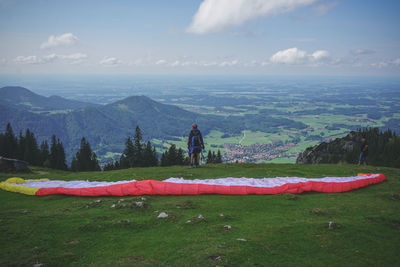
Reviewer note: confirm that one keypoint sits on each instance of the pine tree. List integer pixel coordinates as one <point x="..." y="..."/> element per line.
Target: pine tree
<point x="44" y="153"/>
<point x="164" y="160"/>
<point x="10" y="143"/>
<point x="21" y="146"/>
<point x="110" y="166"/>
<point x="137" y="153"/>
<point x="149" y="157"/>
<point x="180" y="157"/>
<point x="129" y="153"/>
<point x="31" y="150"/>
<point x="138" y="148"/>
<point x="219" y="157"/>
<point x="124" y="162"/>
<point x="209" y="157"/>
<point x="154" y="158"/>
<point x="57" y="154"/>
<point x="172" y="156"/>
<point x="85" y="159"/>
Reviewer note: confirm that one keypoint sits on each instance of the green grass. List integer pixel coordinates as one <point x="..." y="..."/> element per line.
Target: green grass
<point x="281" y="230"/>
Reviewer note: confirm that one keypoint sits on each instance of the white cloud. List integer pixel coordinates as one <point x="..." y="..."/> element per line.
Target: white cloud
<point x="28" y="60"/>
<point x="386" y="63"/>
<point x="324" y="8"/>
<point x="110" y="61"/>
<point x="217" y="15"/>
<point x="381" y="64"/>
<point x="161" y="62"/>
<point x="228" y="63"/>
<point x="295" y="56"/>
<point x="66" y="39"/>
<point x="320" y="55"/>
<point x="209" y="63"/>
<point x="72" y="58"/>
<point x="176" y="63"/>
<point x="362" y="51"/>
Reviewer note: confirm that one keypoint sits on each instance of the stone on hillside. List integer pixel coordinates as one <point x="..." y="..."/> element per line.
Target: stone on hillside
<point x="139" y="204"/>
<point x="334" y="151"/>
<point x="162" y="215"/>
<point x="112" y="206"/>
<point x="332" y="225"/>
<point x="227" y="227"/>
<point x="200" y="217"/>
<point x="242" y="239"/>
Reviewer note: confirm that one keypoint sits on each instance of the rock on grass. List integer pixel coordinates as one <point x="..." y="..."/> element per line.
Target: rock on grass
<point x="162" y="215"/>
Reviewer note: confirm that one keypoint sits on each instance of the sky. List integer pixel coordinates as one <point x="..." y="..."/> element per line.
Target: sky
<point x="205" y="37"/>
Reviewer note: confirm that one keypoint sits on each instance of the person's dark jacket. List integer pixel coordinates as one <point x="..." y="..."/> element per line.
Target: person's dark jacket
<point x="195" y="132"/>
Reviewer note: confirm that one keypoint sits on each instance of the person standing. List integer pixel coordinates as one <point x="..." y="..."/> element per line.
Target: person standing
<point x="364" y="152"/>
<point x="195" y="145"/>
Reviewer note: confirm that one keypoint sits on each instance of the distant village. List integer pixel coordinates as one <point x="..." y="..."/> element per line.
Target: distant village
<point x="257" y="153"/>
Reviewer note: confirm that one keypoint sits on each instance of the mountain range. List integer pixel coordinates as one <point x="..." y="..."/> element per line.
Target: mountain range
<point x="106" y="127"/>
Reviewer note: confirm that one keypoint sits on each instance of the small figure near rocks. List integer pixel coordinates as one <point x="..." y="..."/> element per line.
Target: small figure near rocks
<point x="162" y="215"/>
<point x="364" y="152"/>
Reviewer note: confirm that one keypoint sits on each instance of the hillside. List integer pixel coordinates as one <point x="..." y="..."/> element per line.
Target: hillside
<point x="384" y="149"/>
<point x="278" y="230"/>
<point x="25" y="99"/>
<point x="106" y="127"/>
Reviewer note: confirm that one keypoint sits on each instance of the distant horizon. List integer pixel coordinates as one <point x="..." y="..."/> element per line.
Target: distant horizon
<point x="207" y="37"/>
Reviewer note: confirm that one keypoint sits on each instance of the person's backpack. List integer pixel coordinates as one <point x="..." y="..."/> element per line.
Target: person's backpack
<point x="196" y="141"/>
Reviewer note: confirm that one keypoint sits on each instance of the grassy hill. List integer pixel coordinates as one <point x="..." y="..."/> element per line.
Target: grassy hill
<point x="24" y="99"/>
<point x="279" y="229"/>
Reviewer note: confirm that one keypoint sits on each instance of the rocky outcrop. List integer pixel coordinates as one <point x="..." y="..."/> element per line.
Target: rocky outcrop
<point x="340" y="150"/>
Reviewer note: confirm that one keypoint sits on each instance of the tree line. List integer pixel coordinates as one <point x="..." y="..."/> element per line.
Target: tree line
<point x="137" y="153"/>
<point x="383" y="146"/>
<point x="26" y="148"/>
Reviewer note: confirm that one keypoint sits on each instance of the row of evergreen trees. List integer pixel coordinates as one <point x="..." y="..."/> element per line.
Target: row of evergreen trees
<point x="137" y="153"/>
<point x="25" y="147"/>
<point x="212" y="158"/>
<point x="383" y="147"/>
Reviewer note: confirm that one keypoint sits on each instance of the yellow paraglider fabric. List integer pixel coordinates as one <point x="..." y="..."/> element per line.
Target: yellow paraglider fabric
<point x="17" y="186"/>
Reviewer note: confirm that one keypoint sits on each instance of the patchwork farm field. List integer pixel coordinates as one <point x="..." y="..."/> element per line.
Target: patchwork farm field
<point x="285" y="119"/>
<point x="264" y="230"/>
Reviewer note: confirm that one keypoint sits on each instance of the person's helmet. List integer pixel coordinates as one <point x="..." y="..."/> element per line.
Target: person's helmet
<point x="194" y="125"/>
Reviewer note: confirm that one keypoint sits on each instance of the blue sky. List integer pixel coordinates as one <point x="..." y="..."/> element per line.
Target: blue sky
<point x="260" y="37"/>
